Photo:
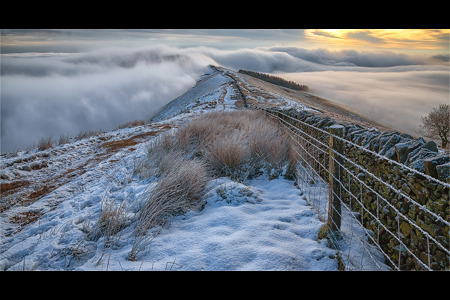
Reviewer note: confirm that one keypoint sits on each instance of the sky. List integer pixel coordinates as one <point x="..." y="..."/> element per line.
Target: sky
<point x="62" y="81"/>
<point x="412" y="41"/>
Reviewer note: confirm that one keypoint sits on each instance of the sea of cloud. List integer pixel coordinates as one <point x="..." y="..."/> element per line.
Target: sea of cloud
<point x="55" y="94"/>
<point x="396" y="99"/>
<point x="392" y="88"/>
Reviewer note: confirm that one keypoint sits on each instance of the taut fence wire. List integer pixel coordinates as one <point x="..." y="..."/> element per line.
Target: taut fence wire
<point x="373" y="220"/>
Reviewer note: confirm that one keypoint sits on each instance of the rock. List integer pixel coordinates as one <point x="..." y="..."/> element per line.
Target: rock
<point x="431" y="146"/>
<point x="385" y="137"/>
<point x="418" y="165"/>
<point x="416" y="189"/>
<point x="405" y="228"/>
<point x="354" y="133"/>
<point x="351" y="130"/>
<point x="420" y="153"/>
<point x="391" y="154"/>
<point x="443" y="171"/>
<point x="391" y="142"/>
<point x="368" y="138"/>
<point x="403" y="149"/>
<point x="440" y="205"/>
<point x="324" y="122"/>
<point x="406" y="188"/>
<point x="364" y="137"/>
<point x="414" y="239"/>
<point x="423" y="257"/>
<point x="431" y="163"/>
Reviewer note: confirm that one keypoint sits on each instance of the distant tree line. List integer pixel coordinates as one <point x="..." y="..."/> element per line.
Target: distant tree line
<point x="276" y="80"/>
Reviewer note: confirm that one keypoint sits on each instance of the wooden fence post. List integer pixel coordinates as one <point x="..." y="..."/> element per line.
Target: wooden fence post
<point x="335" y="178"/>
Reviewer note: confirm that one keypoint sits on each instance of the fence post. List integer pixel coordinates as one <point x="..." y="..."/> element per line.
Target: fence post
<point x="335" y="178"/>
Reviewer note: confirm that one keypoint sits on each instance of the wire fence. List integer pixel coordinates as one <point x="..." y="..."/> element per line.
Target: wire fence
<point x="373" y="220"/>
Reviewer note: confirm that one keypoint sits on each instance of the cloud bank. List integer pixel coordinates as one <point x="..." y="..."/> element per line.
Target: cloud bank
<point x="392" y="88"/>
<point x="53" y="94"/>
<point x="395" y="99"/>
<point x="293" y="59"/>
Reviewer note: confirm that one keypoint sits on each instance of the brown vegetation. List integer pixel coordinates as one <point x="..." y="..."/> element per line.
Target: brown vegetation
<point x="10" y="187"/>
<point x="237" y="144"/>
<point x="114" y="146"/>
<point x="45" y="143"/>
<point x="132" y="124"/>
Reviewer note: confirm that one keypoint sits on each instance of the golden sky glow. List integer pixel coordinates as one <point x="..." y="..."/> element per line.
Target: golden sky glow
<point x="409" y="41"/>
<point x="413" y="39"/>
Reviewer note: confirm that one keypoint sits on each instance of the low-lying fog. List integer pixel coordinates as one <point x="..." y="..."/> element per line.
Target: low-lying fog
<point x="395" y="99"/>
<point x="53" y="94"/>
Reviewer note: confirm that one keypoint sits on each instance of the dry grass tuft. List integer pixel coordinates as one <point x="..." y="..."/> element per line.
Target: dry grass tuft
<point x="64" y="139"/>
<point x="230" y="156"/>
<point x="237" y="144"/>
<point x="131" y="124"/>
<point x="45" y="143"/>
<point x="180" y="188"/>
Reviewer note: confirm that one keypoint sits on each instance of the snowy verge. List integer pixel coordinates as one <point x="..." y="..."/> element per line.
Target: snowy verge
<point x="263" y="225"/>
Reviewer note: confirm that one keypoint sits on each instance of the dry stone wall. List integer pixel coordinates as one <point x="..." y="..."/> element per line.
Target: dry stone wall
<point x="408" y="210"/>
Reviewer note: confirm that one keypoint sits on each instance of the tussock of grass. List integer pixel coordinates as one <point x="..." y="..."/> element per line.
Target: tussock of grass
<point x="230" y="156"/>
<point x="112" y="219"/>
<point x="45" y="143"/>
<point x="179" y="189"/>
<point x="237" y="144"/>
<point x="64" y="139"/>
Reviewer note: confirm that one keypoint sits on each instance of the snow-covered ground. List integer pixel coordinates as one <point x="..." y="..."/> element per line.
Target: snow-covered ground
<point x="261" y="224"/>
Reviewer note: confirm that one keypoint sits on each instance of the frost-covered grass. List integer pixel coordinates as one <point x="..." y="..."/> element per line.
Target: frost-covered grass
<point x="234" y="144"/>
<point x="179" y="189"/>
